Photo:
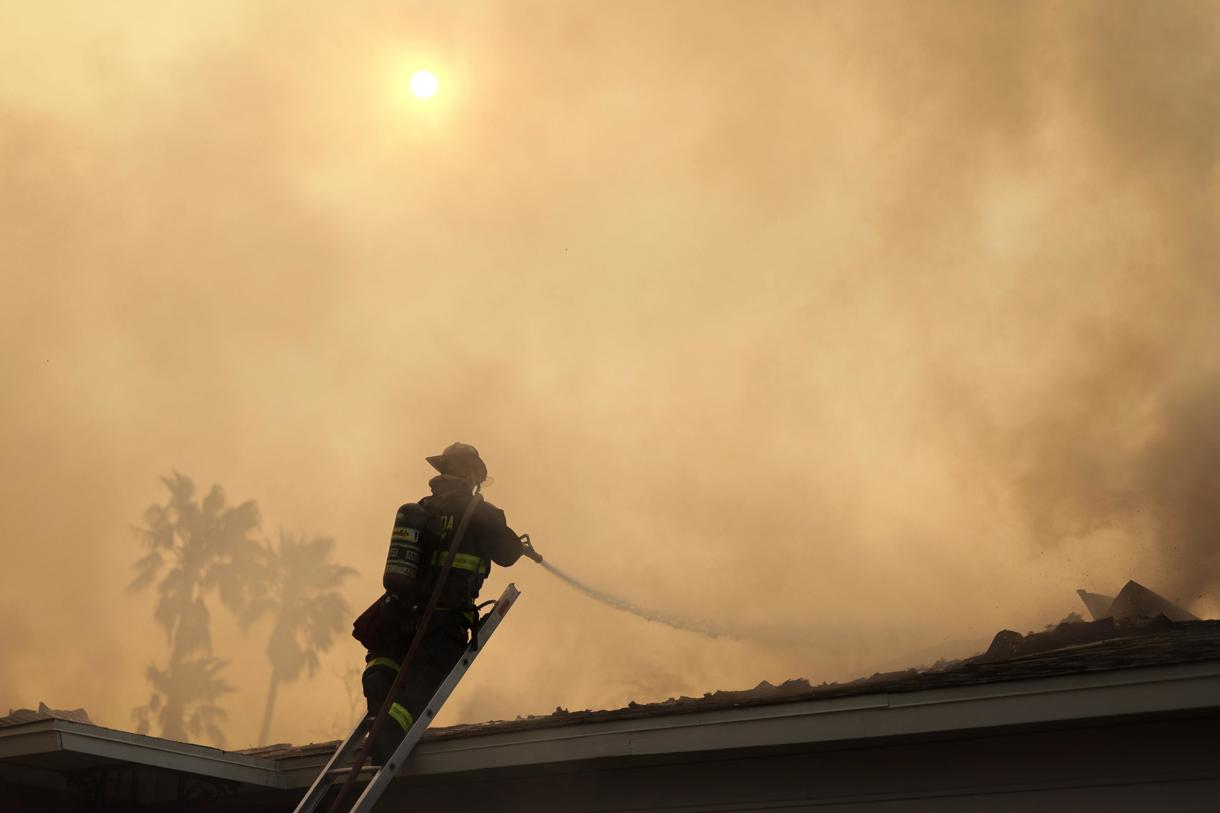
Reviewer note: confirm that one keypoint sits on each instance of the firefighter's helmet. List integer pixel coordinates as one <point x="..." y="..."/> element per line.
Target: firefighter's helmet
<point x="460" y="460"/>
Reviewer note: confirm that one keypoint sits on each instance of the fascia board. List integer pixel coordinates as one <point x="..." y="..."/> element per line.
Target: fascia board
<point x="138" y="749"/>
<point x="30" y="738"/>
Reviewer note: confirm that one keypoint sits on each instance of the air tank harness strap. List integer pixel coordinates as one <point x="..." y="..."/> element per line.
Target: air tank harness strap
<point x="461" y="561"/>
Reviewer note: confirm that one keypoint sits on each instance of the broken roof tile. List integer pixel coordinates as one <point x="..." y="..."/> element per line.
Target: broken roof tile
<point x="45" y="712"/>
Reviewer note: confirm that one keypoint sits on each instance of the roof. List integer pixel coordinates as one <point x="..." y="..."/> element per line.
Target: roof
<point x="1075" y="671"/>
<point x="1069" y="649"/>
<point x="1075" y="650"/>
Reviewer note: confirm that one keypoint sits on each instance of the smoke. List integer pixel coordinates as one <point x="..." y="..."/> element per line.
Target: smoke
<point x="1120" y="436"/>
<point x="1142" y="466"/>
<point x="837" y="330"/>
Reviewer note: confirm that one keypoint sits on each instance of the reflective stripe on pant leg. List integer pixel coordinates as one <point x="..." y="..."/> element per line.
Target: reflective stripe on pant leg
<point x="387" y="662"/>
<point x="402" y="716"/>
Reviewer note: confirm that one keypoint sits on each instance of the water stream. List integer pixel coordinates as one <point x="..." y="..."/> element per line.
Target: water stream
<point x="678" y="622"/>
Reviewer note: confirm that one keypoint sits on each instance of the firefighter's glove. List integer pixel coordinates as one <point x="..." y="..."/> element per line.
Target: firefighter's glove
<point x="527" y="549"/>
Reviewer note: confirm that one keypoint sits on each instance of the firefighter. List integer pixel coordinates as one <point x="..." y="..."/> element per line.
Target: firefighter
<point x="419" y="545"/>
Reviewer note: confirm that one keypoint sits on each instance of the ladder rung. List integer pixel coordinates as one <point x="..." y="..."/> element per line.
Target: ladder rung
<point x="344" y="771"/>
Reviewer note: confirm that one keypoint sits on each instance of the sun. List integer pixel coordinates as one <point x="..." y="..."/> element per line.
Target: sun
<point x="424" y="84"/>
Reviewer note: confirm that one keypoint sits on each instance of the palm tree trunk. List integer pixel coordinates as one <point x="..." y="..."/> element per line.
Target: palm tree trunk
<point x="173" y="709"/>
<point x="266" y="728"/>
<point x="172" y="719"/>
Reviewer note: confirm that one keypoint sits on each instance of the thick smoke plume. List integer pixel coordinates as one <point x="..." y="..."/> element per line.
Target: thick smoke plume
<point x="1122" y="436"/>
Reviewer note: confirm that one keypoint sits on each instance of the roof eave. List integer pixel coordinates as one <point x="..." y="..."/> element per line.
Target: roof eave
<point x="49" y="736"/>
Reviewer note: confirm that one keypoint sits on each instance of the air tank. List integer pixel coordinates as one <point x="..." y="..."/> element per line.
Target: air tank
<point x="405" y="561"/>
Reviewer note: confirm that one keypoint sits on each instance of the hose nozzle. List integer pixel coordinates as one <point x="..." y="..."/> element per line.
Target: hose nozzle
<point x="527" y="549"/>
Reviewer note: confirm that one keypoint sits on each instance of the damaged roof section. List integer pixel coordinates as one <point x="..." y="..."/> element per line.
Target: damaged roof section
<point x="44" y="712"/>
<point x="1133" y="601"/>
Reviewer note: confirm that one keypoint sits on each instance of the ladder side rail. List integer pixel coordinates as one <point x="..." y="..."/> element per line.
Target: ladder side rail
<point x="317" y="791"/>
<point x="387" y="772"/>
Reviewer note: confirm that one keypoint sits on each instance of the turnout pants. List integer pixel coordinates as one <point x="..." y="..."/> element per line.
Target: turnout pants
<point x="440" y="649"/>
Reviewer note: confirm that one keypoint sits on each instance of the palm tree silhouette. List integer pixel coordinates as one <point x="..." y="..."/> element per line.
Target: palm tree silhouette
<point x="184" y="699"/>
<point x="302" y="593"/>
<point x="208" y="548"/>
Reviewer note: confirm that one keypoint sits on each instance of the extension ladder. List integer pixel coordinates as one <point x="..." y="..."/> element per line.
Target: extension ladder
<point x="337" y="771"/>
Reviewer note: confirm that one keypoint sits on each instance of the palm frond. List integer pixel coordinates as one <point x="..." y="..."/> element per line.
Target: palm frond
<point x="214" y="503"/>
<point x="255" y="610"/>
<point x="146" y="570"/>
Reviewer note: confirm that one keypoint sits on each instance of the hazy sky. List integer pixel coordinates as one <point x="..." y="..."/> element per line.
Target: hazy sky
<point x="866" y="329"/>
